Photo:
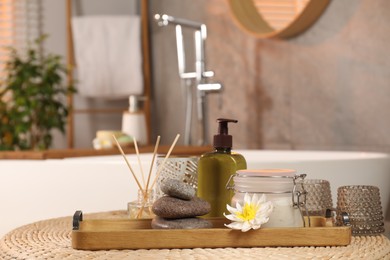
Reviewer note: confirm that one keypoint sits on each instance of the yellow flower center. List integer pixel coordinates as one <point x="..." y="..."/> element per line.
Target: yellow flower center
<point x="248" y="212"/>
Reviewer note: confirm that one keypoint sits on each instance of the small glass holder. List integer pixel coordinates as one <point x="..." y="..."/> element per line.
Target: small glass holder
<point x="318" y="196"/>
<point x="363" y="205"/>
<point x="142" y="207"/>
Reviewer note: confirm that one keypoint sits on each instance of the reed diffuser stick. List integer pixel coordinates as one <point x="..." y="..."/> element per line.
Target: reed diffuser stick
<point x="128" y="164"/>
<point x="146" y="193"/>
<point x="165" y="159"/>
<point x="139" y="161"/>
<point x="152" y="163"/>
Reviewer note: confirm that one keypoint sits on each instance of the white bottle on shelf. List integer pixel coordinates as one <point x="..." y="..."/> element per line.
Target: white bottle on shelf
<point x="134" y="121"/>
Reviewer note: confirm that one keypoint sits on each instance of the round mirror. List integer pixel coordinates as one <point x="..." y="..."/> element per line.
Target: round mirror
<point x="276" y="18"/>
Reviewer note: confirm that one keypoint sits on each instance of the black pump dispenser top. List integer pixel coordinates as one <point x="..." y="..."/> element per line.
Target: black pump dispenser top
<point x="223" y="139"/>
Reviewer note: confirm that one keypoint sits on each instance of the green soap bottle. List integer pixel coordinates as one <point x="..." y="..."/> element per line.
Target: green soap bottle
<point x="215" y="169"/>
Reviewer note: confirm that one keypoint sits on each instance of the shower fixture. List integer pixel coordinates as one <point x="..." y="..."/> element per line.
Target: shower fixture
<point x="197" y="79"/>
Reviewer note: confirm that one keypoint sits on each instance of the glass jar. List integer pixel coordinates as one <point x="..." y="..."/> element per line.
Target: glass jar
<point x="142" y="207"/>
<point x="279" y="187"/>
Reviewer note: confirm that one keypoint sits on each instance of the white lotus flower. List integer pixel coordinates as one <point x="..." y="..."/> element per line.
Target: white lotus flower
<point x="251" y="215"/>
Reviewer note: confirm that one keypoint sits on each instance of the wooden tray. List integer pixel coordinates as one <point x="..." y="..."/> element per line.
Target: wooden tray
<point x="103" y="234"/>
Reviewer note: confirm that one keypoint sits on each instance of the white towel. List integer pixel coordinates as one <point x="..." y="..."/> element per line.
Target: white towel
<point x="108" y="56"/>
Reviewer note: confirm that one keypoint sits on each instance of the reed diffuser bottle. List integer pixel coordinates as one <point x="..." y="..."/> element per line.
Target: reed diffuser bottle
<point x="215" y="169"/>
<point x="142" y="207"/>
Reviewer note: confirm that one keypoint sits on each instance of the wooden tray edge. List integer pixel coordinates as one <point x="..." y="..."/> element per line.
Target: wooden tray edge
<point x="210" y="238"/>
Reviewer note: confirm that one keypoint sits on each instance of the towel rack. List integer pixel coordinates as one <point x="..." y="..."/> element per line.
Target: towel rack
<point x="146" y="74"/>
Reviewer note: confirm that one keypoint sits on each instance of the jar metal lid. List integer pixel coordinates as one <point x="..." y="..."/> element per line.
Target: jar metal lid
<point x="281" y="173"/>
<point x="263" y="180"/>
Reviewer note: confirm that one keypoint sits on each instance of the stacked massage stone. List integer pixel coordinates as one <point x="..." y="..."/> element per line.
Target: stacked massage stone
<point x="179" y="208"/>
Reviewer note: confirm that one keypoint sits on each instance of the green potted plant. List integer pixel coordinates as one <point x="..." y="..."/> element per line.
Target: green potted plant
<point x="32" y="98"/>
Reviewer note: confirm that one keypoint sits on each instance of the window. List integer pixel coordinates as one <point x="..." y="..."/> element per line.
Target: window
<point x="20" y="23"/>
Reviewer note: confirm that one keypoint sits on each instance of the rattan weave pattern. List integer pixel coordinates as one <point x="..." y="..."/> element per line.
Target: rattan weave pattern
<point x="51" y="239"/>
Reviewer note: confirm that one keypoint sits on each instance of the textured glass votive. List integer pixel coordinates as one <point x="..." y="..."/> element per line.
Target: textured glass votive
<point x="363" y="205"/>
<point x="142" y="207"/>
<point x="318" y="196"/>
<point x="183" y="168"/>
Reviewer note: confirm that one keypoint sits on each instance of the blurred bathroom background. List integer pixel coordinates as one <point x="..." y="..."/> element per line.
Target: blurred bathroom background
<point x="326" y="89"/>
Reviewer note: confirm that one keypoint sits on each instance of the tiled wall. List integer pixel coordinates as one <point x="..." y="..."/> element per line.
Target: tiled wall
<point x="327" y="89"/>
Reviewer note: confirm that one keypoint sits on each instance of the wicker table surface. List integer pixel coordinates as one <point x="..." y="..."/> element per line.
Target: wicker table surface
<point x="51" y="239"/>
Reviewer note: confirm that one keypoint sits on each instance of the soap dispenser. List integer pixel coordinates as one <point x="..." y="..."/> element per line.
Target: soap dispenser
<point x="215" y="169"/>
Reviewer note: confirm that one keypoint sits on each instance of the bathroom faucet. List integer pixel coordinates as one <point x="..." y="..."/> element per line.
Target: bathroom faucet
<point x="199" y="76"/>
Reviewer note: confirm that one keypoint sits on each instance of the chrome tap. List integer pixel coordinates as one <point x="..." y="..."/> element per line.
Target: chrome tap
<point x="198" y="77"/>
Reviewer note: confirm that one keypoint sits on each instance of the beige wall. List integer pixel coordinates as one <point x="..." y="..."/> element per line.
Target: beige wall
<point x="327" y="89"/>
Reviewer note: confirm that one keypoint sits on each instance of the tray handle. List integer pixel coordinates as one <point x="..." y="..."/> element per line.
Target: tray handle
<point x="77" y="217"/>
<point x="345" y="219"/>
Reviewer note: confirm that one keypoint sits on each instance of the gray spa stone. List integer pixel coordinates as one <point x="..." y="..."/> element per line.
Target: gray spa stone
<point x="183" y="223"/>
<point x="169" y="207"/>
<point x="177" y="189"/>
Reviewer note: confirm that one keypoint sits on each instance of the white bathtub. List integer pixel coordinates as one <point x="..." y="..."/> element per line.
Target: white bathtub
<point x="340" y="168"/>
<point x="31" y="190"/>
